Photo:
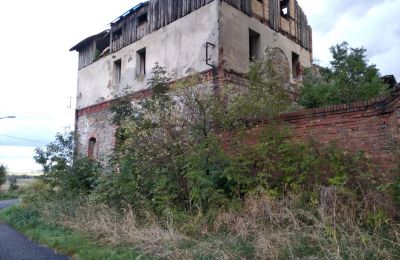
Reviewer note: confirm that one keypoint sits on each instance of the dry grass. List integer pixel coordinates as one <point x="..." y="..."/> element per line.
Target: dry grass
<point x="331" y="227"/>
<point x="112" y="227"/>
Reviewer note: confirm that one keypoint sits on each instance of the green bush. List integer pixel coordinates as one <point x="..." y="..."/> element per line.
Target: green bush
<point x="3" y="174"/>
<point x="13" y="184"/>
<point x="350" y="78"/>
<point x="64" y="171"/>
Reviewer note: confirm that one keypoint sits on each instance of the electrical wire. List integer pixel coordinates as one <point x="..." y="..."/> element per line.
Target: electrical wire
<point x="24" y="139"/>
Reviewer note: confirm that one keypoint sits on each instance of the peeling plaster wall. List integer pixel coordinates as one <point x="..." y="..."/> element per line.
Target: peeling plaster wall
<point x="95" y="83"/>
<point x="178" y="46"/>
<point x="234" y="40"/>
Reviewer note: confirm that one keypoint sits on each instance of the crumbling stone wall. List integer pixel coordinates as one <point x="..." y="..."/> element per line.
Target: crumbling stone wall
<point x="95" y="122"/>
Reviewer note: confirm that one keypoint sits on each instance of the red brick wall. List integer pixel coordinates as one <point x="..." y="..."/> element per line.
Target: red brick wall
<point x="372" y="126"/>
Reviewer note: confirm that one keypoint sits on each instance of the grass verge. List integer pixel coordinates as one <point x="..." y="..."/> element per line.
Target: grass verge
<point x="10" y="195"/>
<point x="62" y="240"/>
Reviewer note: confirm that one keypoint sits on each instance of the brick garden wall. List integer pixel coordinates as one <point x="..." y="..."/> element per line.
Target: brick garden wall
<point x="372" y="126"/>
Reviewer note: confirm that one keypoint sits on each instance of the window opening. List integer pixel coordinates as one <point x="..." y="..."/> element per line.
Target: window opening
<point x="284" y="8"/>
<point x="142" y="19"/>
<point x="91" y="148"/>
<point x="141" y="55"/>
<point x="102" y="44"/>
<point x="117" y="71"/>
<point x="296" y="67"/>
<point x="254" y="45"/>
<point x="117" y="33"/>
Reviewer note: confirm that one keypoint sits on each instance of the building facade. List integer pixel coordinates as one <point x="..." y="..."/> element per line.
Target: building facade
<point x="216" y="38"/>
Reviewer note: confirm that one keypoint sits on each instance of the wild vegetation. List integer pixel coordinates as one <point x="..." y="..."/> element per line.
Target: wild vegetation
<point x="3" y="174"/>
<point x="350" y="78"/>
<point x="9" y="184"/>
<point x="177" y="188"/>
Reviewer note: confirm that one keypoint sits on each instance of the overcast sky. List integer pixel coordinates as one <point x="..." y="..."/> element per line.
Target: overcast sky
<point x="38" y="73"/>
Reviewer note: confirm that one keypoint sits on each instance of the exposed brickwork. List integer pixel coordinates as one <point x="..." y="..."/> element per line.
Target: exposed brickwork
<point x="96" y="124"/>
<point x="372" y="126"/>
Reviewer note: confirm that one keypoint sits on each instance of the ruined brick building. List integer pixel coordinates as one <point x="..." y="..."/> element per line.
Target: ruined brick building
<point x="216" y="38"/>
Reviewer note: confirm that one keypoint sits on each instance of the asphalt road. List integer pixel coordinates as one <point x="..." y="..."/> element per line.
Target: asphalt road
<point x="15" y="246"/>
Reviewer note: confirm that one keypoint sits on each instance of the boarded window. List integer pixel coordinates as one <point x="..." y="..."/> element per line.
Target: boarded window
<point x="141" y="58"/>
<point x="296" y="67"/>
<point x="284" y="8"/>
<point x="254" y="45"/>
<point x="92" y="148"/>
<point x="117" y="71"/>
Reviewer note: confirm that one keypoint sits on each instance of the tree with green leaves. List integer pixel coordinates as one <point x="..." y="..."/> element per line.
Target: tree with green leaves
<point x="13" y="183"/>
<point x="266" y="93"/>
<point x="350" y="78"/>
<point x="64" y="170"/>
<point x="3" y="174"/>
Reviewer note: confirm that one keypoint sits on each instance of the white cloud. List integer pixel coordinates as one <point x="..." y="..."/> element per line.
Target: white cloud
<point x="368" y="24"/>
<point x="18" y="159"/>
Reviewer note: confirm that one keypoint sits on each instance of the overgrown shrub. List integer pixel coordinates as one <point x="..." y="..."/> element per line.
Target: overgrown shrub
<point x="170" y="158"/>
<point x="350" y="78"/>
<point x="13" y="183"/>
<point x="62" y="170"/>
<point x="3" y="174"/>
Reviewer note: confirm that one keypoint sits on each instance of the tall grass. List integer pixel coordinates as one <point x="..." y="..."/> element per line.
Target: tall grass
<point x="330" y="223"/>
<point x="73" y="243"/>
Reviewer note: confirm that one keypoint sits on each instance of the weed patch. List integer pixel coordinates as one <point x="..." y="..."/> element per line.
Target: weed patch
<point x="65" y="241"/>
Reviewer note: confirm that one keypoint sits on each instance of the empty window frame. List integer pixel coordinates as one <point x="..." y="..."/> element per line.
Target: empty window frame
<point x="117" y="71"/>
<point x="141" y="62"/>
<point x="284" y="4"/>
<point x="296" y="67"/>
<point x="254" y="45"/>
<point x="92" y="148"/>
<point x="117" y="34"/>
<point x="102" y="44"/>
<point x="142" y="19"/>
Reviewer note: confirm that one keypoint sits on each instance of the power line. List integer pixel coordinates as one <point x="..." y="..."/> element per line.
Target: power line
<point x="23" y="139"/>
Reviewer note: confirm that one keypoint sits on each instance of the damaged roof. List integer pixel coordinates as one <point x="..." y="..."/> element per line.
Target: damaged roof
<point x="132" y="10"/>
<point x="389" y="80"/>
<point x="105" y="33"/>
<point x="89" y="39"/>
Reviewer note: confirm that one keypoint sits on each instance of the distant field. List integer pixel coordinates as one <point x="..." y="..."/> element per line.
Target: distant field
<point x="20" y="182"/>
